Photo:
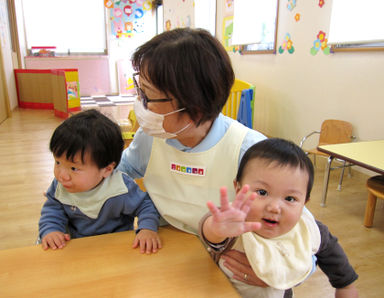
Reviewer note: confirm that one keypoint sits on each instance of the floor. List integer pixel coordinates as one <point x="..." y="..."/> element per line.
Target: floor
<point x="26" y="172"/>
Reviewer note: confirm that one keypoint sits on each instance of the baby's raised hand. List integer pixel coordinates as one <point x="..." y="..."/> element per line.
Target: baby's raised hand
<point x="230" y="219"/>
<point x="55" y="240"/>
<point x="149" y="241"/>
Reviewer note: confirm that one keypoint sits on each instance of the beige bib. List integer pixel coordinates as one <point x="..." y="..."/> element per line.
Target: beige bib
<point x="285" y="261"/>
<point x="91" y="202"/>
<point x="181" y="183"/>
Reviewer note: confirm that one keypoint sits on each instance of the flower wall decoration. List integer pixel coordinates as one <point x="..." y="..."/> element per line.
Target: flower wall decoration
<point x="291" y="4"/>
<point x="287" y="45"/>
<point x="321" y="3"/>
<point x="320" y="43"/>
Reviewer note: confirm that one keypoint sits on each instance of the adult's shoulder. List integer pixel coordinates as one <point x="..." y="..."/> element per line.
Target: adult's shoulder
<point x="141" y="138"/>
<point x="252" y="134"/>
<point x="252" y="137"/>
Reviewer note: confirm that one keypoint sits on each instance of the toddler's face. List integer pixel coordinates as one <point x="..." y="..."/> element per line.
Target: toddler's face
<point x="77" y="176"/>
<point x="281" y="192"/>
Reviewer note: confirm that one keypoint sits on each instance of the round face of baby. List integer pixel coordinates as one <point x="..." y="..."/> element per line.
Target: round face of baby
<point x="79" y="175"/>
<point x="281" y="193"/>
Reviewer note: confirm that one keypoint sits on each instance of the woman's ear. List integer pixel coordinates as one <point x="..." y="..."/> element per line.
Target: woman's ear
<point x="236" y="185"/>
<point x="108" y="169"/>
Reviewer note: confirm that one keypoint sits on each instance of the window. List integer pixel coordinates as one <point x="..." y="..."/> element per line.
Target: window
<point x="205" y="15"/>
<point x="72" y="26"/>
<point x="255" y="25"/>
<point x="357" y="25"/>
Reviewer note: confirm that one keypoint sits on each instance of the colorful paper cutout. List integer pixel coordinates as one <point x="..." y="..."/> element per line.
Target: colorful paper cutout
<point x="321" y="3"/>
<point x="297" y="17"/>
<point x="168" y="25"/>
<point x="139" y="13"/>
<point x="128" y="10"/>
<point x="124" y="16"/>
<point x="117" y="12"/>
<point x="291" y="4"/>
<point x="108" y="3"/>
<point x="321" y="43"/>
<point x="229" y="7"/>
<point x="147" y="5"/>
<point x="287" y="45"/>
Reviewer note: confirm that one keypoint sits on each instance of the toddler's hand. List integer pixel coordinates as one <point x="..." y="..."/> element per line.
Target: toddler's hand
<point x="149" y="241"/>
<point x="230" y="219"/>
<point x="55" y="240"/>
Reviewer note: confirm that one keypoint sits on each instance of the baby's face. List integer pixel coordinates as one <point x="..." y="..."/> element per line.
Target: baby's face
<point x="77" y="176"/>
<point x="281" y="192"/>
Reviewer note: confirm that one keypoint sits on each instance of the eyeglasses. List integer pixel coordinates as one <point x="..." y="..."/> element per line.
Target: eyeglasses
<point x="144" y="97"/>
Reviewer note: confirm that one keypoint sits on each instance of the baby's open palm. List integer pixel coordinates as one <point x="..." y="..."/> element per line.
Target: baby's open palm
<point x="230" y="219"/>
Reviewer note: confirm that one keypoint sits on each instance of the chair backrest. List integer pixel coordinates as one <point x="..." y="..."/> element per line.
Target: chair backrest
<point x="128" y="135"/>
<point x="335" y="132"/>
<point x="231" y="107"/>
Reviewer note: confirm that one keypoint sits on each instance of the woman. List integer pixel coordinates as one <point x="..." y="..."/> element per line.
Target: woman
<point x="185" y="148"/>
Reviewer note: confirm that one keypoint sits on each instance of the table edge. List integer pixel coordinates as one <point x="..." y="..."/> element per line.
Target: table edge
<point x="346" y="158"/>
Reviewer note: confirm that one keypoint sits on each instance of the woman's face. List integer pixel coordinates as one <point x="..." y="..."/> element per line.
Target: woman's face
<point x="173" y="122"/>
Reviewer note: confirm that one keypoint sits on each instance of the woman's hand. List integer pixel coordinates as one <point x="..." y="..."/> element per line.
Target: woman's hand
<point x="149" y="241"/>
<point x="238" y="264"/>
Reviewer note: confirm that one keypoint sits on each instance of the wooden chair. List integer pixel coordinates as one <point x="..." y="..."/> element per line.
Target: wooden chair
<point x="375" y="186"/>
<point x="332" y="132"/>
<point x="231" y="107"/>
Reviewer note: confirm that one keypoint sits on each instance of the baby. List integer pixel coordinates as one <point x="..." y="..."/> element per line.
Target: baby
<point x="280" y="238"/>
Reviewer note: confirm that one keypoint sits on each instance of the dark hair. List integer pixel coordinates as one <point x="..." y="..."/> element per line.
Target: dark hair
<point x="284" y="153"/>
<point x="91" y="132"/>
<point x="191" y="65"/>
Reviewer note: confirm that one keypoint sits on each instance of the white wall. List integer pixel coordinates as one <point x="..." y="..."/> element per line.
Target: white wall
<point x="296" y="92"/>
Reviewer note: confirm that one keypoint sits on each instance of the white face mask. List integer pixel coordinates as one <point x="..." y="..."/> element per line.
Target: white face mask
<point x="152" y="123"/>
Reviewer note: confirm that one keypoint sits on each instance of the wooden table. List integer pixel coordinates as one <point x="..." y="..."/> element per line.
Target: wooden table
<point x="369" y="155"/>
<point x="107" y="266"/>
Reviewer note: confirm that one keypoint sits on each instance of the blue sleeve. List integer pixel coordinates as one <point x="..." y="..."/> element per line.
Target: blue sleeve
<point x="53" y="217"/>
<point x="140" y="204"/>
<point x="134" y="159"/>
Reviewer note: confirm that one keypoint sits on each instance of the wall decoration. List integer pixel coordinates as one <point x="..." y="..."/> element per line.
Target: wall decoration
<point x="178" y="14"/>
<point x="321" y="43"/>
<point x="126" y="16"/>
<point x="228" y="8"/>
<point x="287" y="45"/>
<point x="227" y="32"/>
<point x="108" y="3"/>
<point x="297" y="17"/>
<point x="291" y="4"/>
<point x="124" y="72"/>
<point x="321" y="3"/>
